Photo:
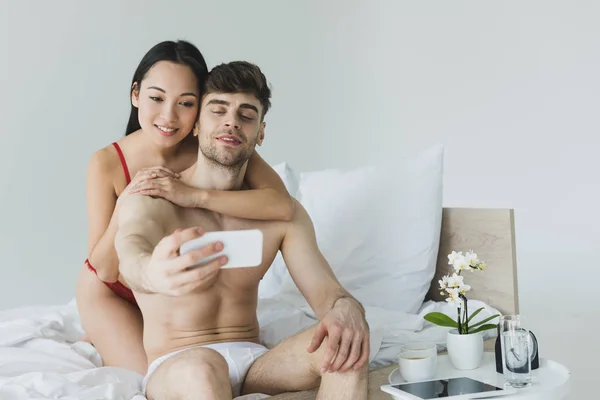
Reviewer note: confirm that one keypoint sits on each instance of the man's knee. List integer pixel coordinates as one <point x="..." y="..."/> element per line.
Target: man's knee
<point x="203" y="365"/>
<point x="195" y="369"/>
<point x="318" y="358"/>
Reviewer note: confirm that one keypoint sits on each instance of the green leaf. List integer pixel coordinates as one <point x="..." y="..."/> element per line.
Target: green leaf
<point x="441" y="319"/>
<point x="474" y="314"/>
<point x="484" y="321"/>
<point x="484" y="328"/>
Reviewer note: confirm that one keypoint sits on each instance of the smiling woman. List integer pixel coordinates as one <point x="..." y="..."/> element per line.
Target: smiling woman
<point x="166" y="91"/>
<point x="184" y="58"/>
<point x="186" y="99"/>
<point x="166" y="101"/>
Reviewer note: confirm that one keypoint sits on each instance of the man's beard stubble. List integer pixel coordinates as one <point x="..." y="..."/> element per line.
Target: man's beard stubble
<point x="228" y="161"/>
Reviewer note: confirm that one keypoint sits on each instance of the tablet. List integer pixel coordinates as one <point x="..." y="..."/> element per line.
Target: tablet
<point x="451" y="388"/>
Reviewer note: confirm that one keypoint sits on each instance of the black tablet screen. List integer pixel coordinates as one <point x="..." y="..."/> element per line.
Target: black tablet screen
<point x="438" y="389"/>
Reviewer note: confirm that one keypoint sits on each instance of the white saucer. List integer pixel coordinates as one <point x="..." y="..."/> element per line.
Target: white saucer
<point x="394" y="377"/>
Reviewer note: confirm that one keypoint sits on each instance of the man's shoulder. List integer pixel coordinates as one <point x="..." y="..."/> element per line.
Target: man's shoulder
<point x="142" y="206"/>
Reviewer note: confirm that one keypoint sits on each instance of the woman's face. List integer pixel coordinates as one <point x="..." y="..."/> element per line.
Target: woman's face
<point x="167" y="100"/>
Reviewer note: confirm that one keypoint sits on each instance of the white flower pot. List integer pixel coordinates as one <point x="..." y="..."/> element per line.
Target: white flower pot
<point x="465" y="351"/>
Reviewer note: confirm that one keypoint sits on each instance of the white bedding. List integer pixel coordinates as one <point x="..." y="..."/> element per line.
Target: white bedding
<point x="40" y="358"/>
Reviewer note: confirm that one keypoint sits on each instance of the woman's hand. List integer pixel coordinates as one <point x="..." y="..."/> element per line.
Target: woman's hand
<point x="143" y="175"/>
<point x="169" y="188"/>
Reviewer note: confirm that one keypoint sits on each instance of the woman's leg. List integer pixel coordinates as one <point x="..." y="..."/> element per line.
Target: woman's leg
<point x="113" y="325"/>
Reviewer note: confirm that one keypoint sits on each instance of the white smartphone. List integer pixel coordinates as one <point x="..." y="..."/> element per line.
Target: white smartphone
<point x="243" y="248"/>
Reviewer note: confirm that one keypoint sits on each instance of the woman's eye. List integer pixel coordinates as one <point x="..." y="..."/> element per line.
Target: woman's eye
<point x="157" y="99"/>
<point x="187" y="104"/>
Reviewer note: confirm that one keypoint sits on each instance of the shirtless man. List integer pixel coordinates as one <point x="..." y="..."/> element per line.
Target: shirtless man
<point x="201" y="331"/>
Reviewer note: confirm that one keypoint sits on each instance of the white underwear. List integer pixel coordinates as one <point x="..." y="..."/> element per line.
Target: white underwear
<point x="239" y="356"/>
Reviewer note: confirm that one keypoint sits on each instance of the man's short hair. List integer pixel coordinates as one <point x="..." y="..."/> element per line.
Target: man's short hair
<point x="240" y="76"/>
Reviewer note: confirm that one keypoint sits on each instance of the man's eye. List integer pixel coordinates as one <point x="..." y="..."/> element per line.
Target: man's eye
<point x="247" y="118"/>
<point x="218" y="112"/>
<point x="157" y="99"/>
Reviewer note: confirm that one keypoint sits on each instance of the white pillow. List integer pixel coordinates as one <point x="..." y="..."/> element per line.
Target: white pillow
<point x="270" y="284"/>
<point x="378" y="227"/>
<point x="288" y="176"/>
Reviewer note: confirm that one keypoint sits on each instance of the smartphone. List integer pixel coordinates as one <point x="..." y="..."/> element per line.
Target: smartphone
<point x="243" y="248"/>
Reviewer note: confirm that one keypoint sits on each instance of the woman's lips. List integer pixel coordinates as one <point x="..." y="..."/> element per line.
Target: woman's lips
<point x="165" y="131"/>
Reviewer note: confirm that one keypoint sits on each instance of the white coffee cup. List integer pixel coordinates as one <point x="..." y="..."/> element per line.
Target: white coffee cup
<point x="417" y="361"/>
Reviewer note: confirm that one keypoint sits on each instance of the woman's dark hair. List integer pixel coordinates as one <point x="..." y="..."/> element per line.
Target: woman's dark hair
<point x="180" y="52"/>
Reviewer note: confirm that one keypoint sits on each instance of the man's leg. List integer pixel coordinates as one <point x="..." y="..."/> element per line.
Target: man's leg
<point x="288" y="367"/>
<point x="193" y="374"/>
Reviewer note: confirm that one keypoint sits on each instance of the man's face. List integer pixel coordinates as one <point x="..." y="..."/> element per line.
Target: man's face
<point x="230" y="127"/>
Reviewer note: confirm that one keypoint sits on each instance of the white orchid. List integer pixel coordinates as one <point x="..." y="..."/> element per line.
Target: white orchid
<point x="454" y="283"/>
<point x="455" y="280"/>
<point x="454" y="287"/>
<point x="460" y="263"/>
<point x="443" y="282"/>
<point x="453" y="256"/>
<point x="458" y="282"/>
<point x="474" y="262"/>
<point x="454" y="297"/>
<point x="471" y="257"/>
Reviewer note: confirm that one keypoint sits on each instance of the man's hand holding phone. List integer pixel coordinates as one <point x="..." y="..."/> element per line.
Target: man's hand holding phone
<point x="171" y="273"/>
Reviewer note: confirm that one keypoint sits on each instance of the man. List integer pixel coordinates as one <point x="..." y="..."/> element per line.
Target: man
<point x="201" y="331"/>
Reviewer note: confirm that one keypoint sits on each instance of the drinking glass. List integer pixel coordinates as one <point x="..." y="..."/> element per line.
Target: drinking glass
<point x="516" y="347"/>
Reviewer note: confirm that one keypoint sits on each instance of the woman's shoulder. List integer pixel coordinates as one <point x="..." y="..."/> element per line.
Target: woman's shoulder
<point x="105" y="161"/>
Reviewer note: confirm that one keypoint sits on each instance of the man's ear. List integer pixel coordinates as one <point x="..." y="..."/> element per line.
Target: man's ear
<point x="261" y="134"/>
<point x="135" y="95"/>
<point x="196" y="129"/>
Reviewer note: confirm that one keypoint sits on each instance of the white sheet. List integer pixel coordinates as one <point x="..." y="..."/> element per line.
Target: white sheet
<point x="40" y="358"/>
<point x="389" y="329"/>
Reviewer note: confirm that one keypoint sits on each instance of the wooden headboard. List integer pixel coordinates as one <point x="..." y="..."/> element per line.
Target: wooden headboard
<point x="491" y="234"/>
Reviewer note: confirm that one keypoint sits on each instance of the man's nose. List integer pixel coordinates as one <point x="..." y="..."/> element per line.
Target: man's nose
<point x="232" y="121"/>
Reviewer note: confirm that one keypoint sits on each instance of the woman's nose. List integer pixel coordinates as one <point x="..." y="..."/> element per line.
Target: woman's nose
<point x="169" y="113"/>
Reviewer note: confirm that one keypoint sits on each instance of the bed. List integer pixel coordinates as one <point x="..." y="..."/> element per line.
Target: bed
<point x="402" y="242"/>
<point x="41" y="359"/>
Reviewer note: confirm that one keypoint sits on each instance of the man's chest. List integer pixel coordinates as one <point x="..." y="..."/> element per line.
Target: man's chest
<point x="212" y="222"/>
<point x="272" y="231"/>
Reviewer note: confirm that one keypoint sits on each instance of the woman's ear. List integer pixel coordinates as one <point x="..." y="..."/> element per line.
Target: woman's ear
<point x="135" y="95"/>
<point x="196" y="130"/>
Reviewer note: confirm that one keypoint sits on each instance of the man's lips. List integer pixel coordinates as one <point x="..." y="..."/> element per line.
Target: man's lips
<point x="230" y="140"/>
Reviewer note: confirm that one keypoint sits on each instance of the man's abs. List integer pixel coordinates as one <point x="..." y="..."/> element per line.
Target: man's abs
<point x="214" y="316"/>
<point x="223" y="312"/>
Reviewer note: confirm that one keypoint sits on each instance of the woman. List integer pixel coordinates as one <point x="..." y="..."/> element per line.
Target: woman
<point x="165" y="94"/>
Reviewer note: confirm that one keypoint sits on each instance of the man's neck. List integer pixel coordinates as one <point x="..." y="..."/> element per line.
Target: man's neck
<point x="206" y="174"/>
